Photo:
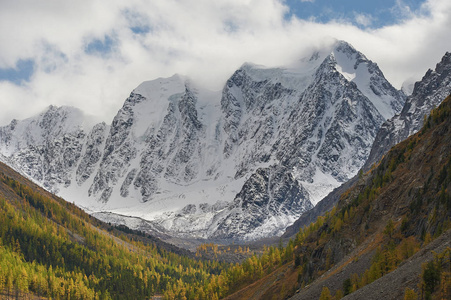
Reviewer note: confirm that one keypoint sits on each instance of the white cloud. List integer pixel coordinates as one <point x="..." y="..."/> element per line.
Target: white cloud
<point x="204" y="39"/>
<point x="363" y="19"/>
<point x="402" y="10"/>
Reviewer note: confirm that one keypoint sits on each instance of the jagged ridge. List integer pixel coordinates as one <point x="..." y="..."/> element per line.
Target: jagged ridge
<point x="427" y="94"/>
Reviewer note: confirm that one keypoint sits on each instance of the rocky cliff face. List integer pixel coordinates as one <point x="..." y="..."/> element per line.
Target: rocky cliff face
<point x="48" y="147"/>
<point x="242" y="163"/>
<point x="270" y="197"/>
<point x="427" y="94"/>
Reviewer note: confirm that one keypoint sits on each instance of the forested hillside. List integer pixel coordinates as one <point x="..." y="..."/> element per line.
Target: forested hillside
<point x="52" y="249"/>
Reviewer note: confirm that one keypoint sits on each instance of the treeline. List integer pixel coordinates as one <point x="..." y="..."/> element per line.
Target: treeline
<point x="435" y="279"/>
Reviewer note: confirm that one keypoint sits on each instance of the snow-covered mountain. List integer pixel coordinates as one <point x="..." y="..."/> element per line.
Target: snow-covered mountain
<point x="48" y="147"/>
<point x="427" y="94"/>
<point x="241" y="163"/>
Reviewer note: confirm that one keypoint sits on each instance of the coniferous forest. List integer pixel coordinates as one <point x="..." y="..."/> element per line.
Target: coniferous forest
<point x="52" y="249"/>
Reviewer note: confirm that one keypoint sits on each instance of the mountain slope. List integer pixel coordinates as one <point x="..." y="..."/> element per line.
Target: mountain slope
<point x="401" y="207"/>
<point x="243" y="163"/>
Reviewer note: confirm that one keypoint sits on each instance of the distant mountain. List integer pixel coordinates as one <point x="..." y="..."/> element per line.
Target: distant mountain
<point x="239" y="164"/>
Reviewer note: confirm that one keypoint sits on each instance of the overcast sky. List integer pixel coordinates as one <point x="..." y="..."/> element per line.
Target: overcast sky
<point x="92" y="53"/>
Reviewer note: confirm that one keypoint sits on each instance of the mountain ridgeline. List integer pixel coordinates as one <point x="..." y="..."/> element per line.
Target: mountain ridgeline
<point x="239" y="164"/>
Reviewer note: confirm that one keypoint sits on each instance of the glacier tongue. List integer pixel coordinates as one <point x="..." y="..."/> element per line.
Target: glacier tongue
<point x="239" y="164"/>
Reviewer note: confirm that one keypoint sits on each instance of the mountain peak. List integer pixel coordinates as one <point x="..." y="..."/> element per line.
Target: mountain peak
<point x="166" y="86"/>
<point x="72" y="118"/>
<point x="437" y="81"/>
<point x="356" y="68"/>
<point x="345" y="47"/>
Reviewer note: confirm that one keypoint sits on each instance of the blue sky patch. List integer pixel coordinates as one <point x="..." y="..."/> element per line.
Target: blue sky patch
<point x="100" y="47"/>
<point x="21" y="73"/>
<point x="373" y="14"/>
<point x="140" y="29"/>
<point x="137" y="21"/>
